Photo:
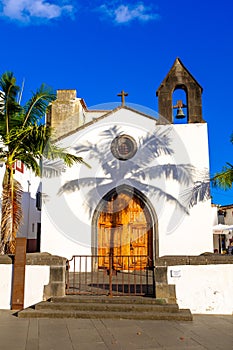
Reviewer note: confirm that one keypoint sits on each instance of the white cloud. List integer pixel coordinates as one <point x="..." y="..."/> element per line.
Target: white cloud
<point x="122" y="14"/>
<point x="28" y="10"/>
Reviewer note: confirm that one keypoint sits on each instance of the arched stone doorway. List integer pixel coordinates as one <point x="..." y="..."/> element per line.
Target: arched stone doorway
<point x="125" y="225"/>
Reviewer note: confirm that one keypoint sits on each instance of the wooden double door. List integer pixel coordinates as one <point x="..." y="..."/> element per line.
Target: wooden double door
<point x="125" y="233"/>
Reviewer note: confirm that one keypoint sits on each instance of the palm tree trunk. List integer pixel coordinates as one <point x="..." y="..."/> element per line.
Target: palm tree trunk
<point x="11" y="212"/>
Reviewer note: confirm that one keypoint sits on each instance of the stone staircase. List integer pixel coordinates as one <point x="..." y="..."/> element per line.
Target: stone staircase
<point x="140" y="308"/>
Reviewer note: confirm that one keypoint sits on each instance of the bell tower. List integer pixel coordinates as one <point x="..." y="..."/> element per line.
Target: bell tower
<point x="179" y="78"/>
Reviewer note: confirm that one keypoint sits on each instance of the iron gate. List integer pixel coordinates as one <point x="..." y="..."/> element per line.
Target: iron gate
<point x="86" y="274"/>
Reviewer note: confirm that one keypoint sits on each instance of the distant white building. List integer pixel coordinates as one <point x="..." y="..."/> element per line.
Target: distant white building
<point x="31" y="220"/>
<point x="223" y="239"/>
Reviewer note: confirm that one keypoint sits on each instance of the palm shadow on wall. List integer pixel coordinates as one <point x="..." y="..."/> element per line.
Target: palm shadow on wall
<point x="139" y="171"/>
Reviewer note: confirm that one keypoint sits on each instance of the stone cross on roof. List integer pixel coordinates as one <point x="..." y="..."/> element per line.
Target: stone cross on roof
<point x="122" y="94"/>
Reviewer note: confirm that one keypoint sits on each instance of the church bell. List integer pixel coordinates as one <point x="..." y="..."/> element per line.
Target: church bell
<point x="180" y="114"/>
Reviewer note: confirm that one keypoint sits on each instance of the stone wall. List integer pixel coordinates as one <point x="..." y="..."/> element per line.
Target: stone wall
<point x="64" y="113"/>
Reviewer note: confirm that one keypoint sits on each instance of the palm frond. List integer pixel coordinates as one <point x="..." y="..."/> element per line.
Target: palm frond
<point x="35" y="108"/>
<point x="10" y="110"/>
<point x="34" y="141"/>
<point x="9" y="91"/>
<point x="33" y="137"/>
<point x="36" y="138"/>
<point x="70" y="159"/>
<point x="53" y="152"/>
<point x="224" y="179"/>
<point x="30" y="161"/>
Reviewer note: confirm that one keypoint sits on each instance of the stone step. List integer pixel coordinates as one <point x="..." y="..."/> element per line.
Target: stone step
<point x="76" y="306"/>
<point x="108" y="300"/>
<point x="114" y="307"/>
<point x="181" y="315"/>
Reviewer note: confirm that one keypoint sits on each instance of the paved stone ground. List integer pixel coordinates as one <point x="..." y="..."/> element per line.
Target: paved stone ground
<point x="204" y="332"/>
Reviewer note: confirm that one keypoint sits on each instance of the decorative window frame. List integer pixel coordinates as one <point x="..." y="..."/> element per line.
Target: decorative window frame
<point x="124" y="147"/>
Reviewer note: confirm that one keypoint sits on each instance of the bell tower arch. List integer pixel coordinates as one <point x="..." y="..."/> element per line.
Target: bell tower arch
<point x="179" y="78"/>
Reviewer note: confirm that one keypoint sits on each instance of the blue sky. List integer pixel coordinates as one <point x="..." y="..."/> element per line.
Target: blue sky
<point x="101" y="47"/>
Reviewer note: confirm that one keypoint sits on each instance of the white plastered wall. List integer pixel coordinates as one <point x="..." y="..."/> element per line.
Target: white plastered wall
<point x="36" y="277"/>
<point x="66" y="223"/>
<point x="204" y="289"/>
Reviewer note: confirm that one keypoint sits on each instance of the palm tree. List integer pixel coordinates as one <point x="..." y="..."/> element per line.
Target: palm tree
<point x="224" y="179"/>
<point x="24" y="138"/>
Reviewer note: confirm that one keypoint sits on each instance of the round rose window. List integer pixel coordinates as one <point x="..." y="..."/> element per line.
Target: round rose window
<point x="123" y="147"/>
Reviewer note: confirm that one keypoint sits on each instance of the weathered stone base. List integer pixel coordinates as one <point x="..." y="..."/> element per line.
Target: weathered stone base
<point x="166" y="291"/>
<point x="56" y="286"/>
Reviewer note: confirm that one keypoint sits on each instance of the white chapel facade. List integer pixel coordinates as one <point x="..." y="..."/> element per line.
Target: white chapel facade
<point x="146" y="191"/>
